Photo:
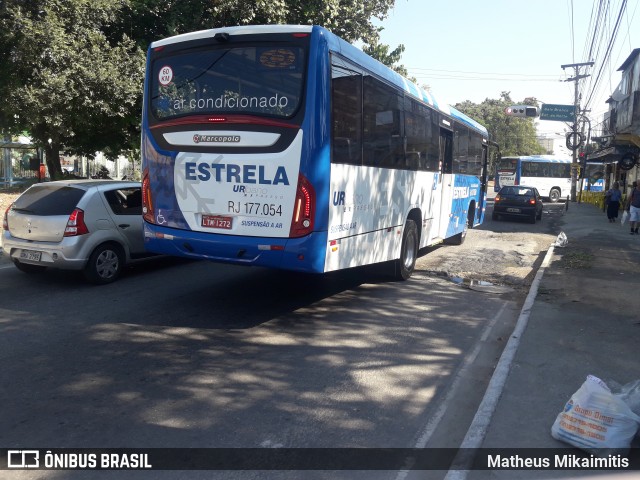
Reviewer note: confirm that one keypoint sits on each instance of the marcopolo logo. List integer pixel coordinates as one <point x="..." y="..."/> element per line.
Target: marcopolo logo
<point x="201" y="138"/>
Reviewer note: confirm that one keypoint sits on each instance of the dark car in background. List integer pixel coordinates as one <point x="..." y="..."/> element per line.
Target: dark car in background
<point x="518" y="201"/>
<point x="90" y="225"/>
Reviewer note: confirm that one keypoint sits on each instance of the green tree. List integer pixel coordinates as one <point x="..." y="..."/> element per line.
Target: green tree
<point x="515" y="136"/>
<point x="349" y="19"/>
<point x="149" y="20"/>
<point x="390" y="58"/>
<point x="64" y="82"/>
<point x="72" y="70"/>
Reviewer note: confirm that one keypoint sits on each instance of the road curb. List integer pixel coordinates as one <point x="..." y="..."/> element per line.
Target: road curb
<point x="482" y="419"/>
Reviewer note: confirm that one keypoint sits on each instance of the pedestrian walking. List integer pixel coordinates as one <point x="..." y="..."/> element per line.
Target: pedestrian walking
<point x="612" y="199"/>
<point x="633" y="207"/>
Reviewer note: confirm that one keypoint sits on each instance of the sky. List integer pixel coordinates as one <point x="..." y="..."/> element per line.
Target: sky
<point x="476" y="49"/>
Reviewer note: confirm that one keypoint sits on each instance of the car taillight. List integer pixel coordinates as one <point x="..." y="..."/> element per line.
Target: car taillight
<point x="497" y="199"/>
<point x="75" y="224"/>
<point x="532" y="201"/>
<point x="5" y="219"/>
<point x="147" y="203"/>
<point x="303" y="209"/>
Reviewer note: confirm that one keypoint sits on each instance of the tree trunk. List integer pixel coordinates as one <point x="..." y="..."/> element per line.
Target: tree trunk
<point x="52" y="153"/>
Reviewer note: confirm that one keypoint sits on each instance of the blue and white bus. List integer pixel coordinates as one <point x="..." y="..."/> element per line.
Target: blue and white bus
<point x="550" y="174"/>
<point x="287" y="147"/>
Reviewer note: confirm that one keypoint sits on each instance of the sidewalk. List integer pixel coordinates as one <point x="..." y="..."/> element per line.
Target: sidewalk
<point x="584" y="320"/>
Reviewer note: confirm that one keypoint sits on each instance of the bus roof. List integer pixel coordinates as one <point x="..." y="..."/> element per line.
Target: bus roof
<point x="540" y="158"/>
<point x="344" y="48"/>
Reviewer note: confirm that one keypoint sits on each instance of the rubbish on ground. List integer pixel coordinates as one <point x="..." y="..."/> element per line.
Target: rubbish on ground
<point x="597" y="420"/>
<point x="561" y="241"/>
<point x="629" y="393"/>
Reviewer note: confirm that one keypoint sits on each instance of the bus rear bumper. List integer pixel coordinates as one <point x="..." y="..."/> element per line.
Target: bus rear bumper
<point x="306" y="254"/>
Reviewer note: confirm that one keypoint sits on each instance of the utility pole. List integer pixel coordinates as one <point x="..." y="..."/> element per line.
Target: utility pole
<point x="575" y="139"/>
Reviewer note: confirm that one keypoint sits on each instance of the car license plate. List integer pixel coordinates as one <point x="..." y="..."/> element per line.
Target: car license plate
<point x="30" y="255"/>
<point x="217" y="221"/>
<point x="513" y="210"/>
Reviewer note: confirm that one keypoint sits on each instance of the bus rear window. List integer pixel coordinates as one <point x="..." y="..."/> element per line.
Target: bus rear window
<point x="506" y="164"/>
<point x="258" y="80"/>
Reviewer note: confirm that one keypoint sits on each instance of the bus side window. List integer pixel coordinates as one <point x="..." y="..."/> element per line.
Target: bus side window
<point x="446" y="150"/>
<point x="460" y="149"/>
<point x="383" y="129"/>
<point x="421" y="148"/>
<point x="346" y="104"/>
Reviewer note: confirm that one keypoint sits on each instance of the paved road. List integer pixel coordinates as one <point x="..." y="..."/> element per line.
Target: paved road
<point x="194" y="354"/>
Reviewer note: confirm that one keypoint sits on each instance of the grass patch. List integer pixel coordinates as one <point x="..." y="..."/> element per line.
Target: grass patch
<point x="577" y="259"/>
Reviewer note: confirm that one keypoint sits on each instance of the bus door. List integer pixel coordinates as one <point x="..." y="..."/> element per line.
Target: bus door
<point x="444" y="195"/>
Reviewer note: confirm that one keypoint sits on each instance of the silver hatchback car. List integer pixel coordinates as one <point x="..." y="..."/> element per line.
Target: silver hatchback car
<point x="89" y="225"/>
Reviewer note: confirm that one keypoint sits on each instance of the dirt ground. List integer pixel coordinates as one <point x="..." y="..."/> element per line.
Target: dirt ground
<point x="6" y="199"/>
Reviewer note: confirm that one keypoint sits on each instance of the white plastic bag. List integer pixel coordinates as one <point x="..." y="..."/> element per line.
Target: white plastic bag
<point x="597" y="421"/>
<point x="625" y="216"/>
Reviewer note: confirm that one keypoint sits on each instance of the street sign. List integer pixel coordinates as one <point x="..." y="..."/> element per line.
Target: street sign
<point x="558" y="113"/>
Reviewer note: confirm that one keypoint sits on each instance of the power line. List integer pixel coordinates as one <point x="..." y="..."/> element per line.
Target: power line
<point x="614" y="34"/>
<point x="426" y="74"/>
<point x="479" y="73"/>
<point x="453" y="77"/>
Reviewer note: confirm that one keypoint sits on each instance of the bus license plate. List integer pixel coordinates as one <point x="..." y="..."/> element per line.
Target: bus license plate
<point x="30" y="255"/>
<point x="513" y="210"/>
<point x="217" y="221"/>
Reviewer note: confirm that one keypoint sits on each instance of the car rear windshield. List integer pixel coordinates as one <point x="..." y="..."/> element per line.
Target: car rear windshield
<point x="522" y="192"/>
<point x="47" y="200"/>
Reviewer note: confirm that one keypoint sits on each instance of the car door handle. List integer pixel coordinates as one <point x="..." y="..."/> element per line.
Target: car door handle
<point x="124" y="225"/>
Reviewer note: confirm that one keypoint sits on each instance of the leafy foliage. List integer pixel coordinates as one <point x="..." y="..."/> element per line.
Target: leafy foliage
<point x="65" y="82"/>
<point x="149" y="20"/>
<point x="381" y="53"/>
<point x="73" y="70"/>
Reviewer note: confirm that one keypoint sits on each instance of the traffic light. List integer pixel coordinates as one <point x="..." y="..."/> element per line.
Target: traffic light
<point x="521" y="111"/>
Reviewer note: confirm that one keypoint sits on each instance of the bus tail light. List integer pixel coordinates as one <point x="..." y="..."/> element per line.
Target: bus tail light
<point x="303" y="209"/>
<point x="147" y="203"/>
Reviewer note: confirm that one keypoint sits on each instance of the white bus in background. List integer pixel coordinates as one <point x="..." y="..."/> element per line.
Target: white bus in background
<point x="550" y="174"/>
<point x="593" y="178"/>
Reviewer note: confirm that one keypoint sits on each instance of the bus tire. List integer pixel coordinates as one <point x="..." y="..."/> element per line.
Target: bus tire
<point x="408" y="252"/>
<point x="554" y="195"/>
<point x="460" y="237"/>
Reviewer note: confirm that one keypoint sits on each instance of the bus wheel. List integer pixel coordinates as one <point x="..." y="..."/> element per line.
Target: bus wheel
<point x="409" y="251"/>
<point x="554" y="195"/>
<point x="460" y="237"/>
